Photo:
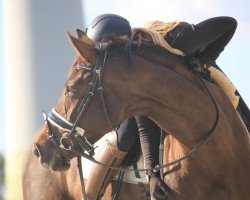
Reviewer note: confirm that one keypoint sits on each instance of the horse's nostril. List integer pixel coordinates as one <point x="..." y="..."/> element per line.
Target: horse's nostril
<point x="36" y="151"/>
<point x="45" y="165"/>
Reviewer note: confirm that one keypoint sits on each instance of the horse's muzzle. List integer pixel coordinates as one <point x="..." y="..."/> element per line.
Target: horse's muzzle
<point x="53" y="161"/>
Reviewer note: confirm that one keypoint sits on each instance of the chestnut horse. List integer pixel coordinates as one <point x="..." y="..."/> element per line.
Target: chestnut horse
<point x="135" y="79"/>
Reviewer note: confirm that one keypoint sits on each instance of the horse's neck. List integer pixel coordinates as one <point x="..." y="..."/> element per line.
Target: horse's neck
<point x="178" y="104"/>
<point x="183" y="105"/>
<point x="228" y="146"/>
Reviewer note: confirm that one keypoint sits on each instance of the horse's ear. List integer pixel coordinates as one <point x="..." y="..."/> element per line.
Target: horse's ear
<point x="84" y="47"/>
<point x="81" y="34"/>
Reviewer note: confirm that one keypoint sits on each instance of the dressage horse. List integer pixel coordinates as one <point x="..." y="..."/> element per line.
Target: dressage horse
<point x="108" y="83"/>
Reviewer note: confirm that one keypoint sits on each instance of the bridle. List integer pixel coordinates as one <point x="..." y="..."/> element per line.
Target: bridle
<point x="65" y="144"/>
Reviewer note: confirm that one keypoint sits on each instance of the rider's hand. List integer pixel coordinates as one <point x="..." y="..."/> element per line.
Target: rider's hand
<point x="158" y="189"/>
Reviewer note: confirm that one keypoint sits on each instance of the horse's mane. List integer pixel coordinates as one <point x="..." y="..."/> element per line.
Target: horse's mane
<point x="124" y="47"/>
<point x="155" y="32"/>
<point x="148" y="39"/>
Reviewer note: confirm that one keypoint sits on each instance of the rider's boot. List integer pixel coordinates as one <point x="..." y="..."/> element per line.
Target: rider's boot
<point x="101" y="176"/>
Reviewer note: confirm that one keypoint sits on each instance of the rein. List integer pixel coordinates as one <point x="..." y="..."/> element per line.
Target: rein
<point x="66" y="145"/>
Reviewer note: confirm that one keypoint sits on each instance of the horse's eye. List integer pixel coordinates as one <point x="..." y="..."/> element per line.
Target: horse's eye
<point x="70" y="89"/>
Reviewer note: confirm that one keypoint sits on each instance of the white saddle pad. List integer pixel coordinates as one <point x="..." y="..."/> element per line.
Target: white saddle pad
<point x="129" y="176"/>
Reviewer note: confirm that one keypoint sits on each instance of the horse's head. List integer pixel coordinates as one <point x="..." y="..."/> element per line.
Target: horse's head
<point x="83" y="111"/>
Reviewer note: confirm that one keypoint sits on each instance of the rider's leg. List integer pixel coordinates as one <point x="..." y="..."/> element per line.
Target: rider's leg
<point x="112" y="154"/>
<point x="206" y="39"/>
<point x="150" y="134"/>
